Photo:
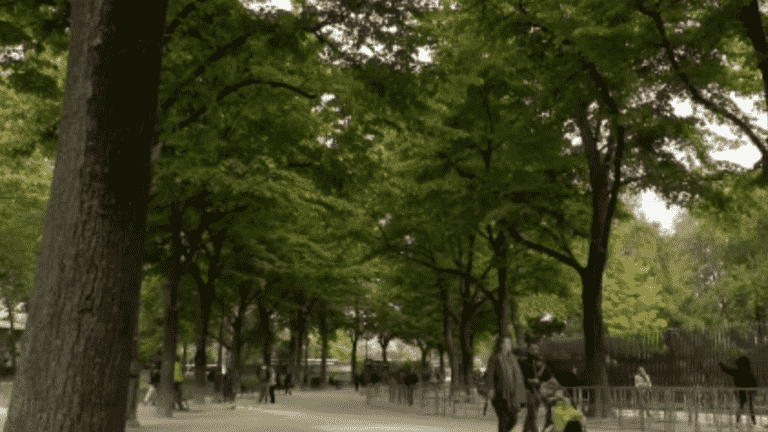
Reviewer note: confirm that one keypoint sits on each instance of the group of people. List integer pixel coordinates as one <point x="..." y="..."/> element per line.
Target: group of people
<point x="519" y="379"/>
<point x="743" y="379"/>
<point x="511" y="385"/>
<point x="269" y="381"/>
<point x="268" y="384"/>
<point x="154" y="384"/>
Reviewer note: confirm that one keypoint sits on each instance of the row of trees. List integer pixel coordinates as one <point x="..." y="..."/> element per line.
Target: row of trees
<point x="282" y="176"/>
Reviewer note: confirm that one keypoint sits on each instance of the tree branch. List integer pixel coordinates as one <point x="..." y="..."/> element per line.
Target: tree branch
<point x="696" y="95"/>
<point x="565" y="259"/>
<point x="459" y="171"/>
<point x="234" y="88"/>
<point x="171" y="27"/>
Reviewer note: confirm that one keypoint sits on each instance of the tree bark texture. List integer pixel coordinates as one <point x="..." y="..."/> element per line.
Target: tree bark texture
<point x="76" y="349"/>
<point x="353" y="360"/>
<point x="384" y="343"/>
<point x="165" y="394"/>
<point x="206" y="291"/>
<point x="12" y="336"/>
<point x="323" y="327"/>
<point x="267" y="334"/>
<point x="237" y="339"/>
<point x="131" y="417"/>
<point x="466" y="345"/>
<point x="450" y="347"/>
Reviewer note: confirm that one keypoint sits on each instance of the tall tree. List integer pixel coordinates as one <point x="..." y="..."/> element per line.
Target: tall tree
<point x="77" y="346"/>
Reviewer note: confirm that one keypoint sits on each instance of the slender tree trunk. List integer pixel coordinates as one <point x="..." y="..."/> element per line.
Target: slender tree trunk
<point x="201" y="355"/>
<point x="467" y="352"/>
<point x="384" y="343"/>
<point x="305" y="371"/>
<point x="296" y="348"/>
<point x="165" y="394"/>
<point x="353" y="360"/>
<point x="448" y="333"/>
<point x="514" y="319"/>
<point x="235" y="360"/>
<point x="500" y="250"/>
<point x="73" y="369"/>
<point x="441" y="351"/>
<point x="267" y="334"/>
<point x="206" y="292"/>
<point x="221" y="346"/>
<point x="12" y="336"/>
<point x="323" y="324"/>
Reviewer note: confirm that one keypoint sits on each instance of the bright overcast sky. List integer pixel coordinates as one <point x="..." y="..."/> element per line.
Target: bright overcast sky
<point x="655" y="209"/>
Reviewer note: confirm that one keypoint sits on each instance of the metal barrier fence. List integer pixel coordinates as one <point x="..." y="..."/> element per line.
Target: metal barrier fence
<point x="668" y="409"/>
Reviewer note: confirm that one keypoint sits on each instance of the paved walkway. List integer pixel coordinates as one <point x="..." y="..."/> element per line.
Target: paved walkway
<point x="327" y="411"/>
<point x="345" y="410"/>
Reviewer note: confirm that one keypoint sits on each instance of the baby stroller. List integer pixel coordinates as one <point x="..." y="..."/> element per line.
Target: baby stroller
<point x="565" y="416"/>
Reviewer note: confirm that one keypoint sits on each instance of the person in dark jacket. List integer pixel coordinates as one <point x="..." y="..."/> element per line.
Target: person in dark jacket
<point x="535" y="372"/>
<point x="743" y="379"/>
<point x="505" y="385"/>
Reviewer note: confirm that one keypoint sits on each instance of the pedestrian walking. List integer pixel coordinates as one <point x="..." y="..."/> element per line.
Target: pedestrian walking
<point x="288" y="383"/>
<point x="744" y="380"/>
<point x="643" y="384"/>
<point x="263" y="384"/>
<point x="272" y="384"/>
<point x="154" y="382"/>
<point x="535" y="372"/>
<point x="506" y="385"/>
<point x="178" y="378"/>
<point x="227" y="387"/>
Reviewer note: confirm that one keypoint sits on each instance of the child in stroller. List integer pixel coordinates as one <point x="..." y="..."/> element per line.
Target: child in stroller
<point x="564" y="416"/>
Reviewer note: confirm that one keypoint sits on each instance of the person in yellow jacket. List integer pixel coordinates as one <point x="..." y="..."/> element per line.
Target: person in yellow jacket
<point x="565" y="417"/>
<point x="178" y="378"/>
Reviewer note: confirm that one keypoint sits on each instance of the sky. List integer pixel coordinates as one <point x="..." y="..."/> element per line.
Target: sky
<point x="654" y="207"/>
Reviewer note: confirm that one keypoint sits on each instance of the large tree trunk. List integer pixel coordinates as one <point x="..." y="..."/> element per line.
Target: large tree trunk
<point x="133" y="383"/>
<point x="76" y="348"/>
<point x="594" y="336"/>
<point x="165" y="394"/>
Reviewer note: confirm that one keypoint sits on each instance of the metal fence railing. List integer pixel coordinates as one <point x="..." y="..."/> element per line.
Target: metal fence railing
<point x="670" y="409"/>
